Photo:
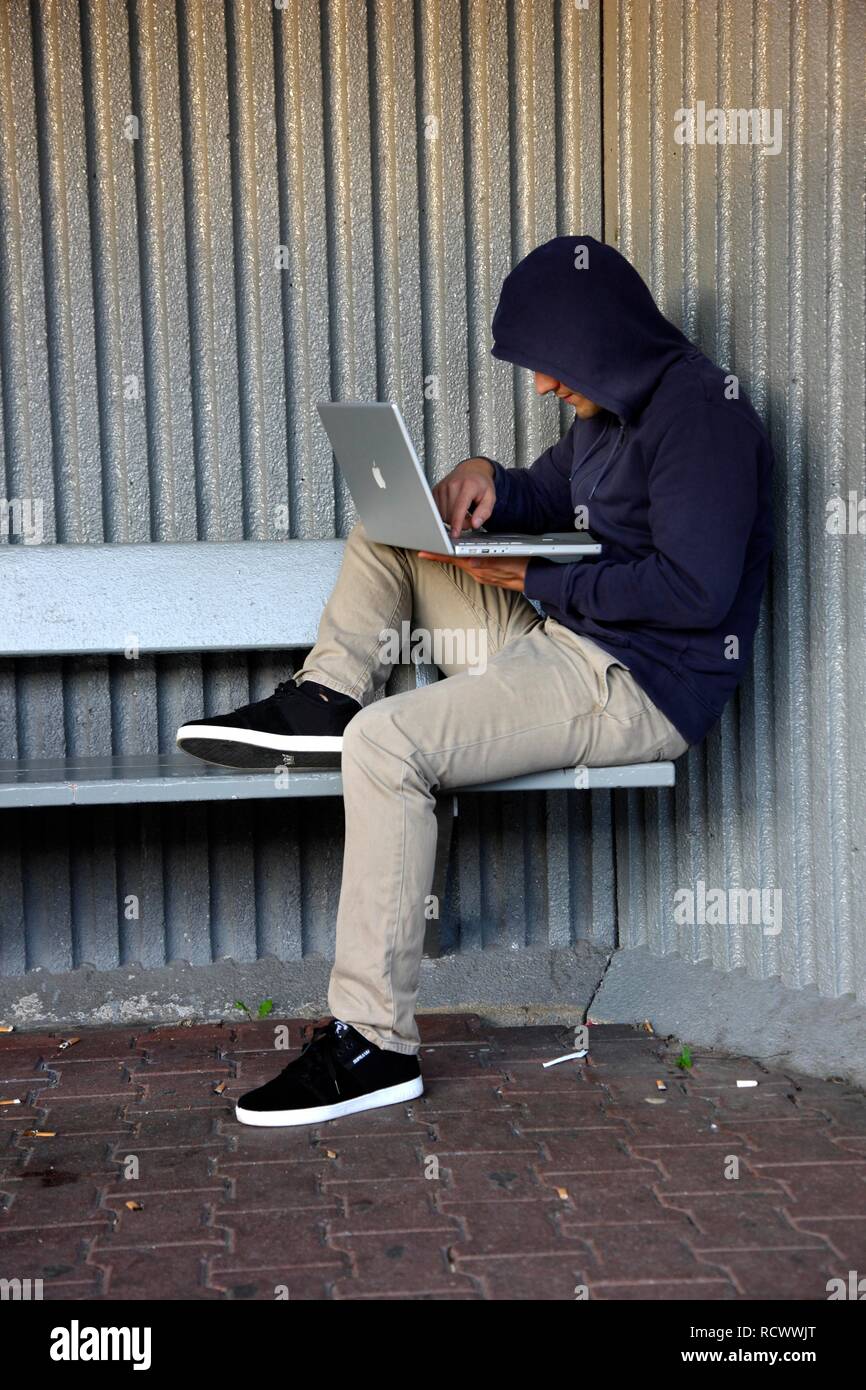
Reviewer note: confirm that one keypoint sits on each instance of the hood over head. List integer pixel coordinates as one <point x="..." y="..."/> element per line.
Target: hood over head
<point x="598" y="329"/>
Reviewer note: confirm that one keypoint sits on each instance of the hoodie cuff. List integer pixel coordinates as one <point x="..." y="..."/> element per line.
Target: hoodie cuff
<point x="502" y="484"/>
<point x="544" y="581"/>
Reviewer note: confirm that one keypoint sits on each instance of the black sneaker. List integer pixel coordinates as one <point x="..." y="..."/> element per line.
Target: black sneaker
<point x="338" y="1073"/>
<point x="298" y="726"/>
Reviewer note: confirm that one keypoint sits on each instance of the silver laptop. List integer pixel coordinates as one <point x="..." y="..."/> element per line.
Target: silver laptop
<point x="393" y="498"/>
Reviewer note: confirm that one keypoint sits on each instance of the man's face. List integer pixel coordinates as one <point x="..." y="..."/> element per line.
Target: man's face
<point x="584" y="407"/>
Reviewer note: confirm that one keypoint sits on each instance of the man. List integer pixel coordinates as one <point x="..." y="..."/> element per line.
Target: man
<point x="628" y="657"/>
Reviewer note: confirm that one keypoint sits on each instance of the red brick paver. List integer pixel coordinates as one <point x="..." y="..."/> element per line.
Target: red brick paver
<point x="123" y="1173"/>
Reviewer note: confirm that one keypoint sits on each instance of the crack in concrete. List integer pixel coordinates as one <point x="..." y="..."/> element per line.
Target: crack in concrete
<point x="601" y="979"/>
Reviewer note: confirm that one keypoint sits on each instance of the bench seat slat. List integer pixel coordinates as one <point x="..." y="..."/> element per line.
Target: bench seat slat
<point x="175" y="777"/>
<point x="91" y="600"/>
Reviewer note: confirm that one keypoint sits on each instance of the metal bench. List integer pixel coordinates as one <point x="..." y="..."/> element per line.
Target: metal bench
<point x="222" y="596"/>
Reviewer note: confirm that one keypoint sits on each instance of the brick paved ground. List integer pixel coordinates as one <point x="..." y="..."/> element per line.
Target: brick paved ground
<point x="547" y="1179"/>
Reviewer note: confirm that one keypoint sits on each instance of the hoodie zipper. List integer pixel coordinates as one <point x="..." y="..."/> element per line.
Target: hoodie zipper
<point x="593" y="449"/>
<point x="608" y="461"/>
<point x="590" y="451"/>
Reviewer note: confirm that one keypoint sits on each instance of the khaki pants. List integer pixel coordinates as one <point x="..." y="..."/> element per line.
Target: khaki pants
<point x="547" y="698"/>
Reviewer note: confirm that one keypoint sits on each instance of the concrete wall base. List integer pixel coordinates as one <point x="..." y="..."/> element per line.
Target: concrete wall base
<point x="530" y="986"/>
<point x="695" y="1003"/>
<point x="763" y="1019"/>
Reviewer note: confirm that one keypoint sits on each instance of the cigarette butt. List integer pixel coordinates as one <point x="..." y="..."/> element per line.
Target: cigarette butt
<point x="563" y="1193"/>
<point x="68" y="1042"/>
<point x="39" y="1133"/>
<point x="655" y="1100"/>
<point x="10" y="1102"/>
<point x="747" y="1083"/>
<point x="568" y="1057"/>
<point x="329" y="1153"/>
<point x="6" y="1028"/>
<point x="647" y="1026"/>
<point x="133" y="1206"/>
<point x="219" y="1088"/>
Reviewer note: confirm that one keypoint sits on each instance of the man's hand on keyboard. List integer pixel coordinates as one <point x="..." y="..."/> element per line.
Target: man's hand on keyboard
<point x="470" y="484"/>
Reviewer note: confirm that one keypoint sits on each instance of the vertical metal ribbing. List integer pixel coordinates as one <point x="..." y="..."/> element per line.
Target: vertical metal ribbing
<point x="760" y="259"/>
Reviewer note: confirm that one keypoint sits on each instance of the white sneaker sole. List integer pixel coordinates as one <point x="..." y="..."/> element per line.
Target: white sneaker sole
<point x="225" y="747"/>
<point x="390" y="1095"/>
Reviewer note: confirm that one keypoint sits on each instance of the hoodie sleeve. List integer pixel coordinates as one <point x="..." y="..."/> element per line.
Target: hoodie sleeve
<point x="537" y="498"/>
<point x="702" y="485"/>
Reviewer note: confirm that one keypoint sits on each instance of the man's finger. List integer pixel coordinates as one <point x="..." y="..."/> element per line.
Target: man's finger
<point x="464" y="496"/>
<point x="445" y="493"/>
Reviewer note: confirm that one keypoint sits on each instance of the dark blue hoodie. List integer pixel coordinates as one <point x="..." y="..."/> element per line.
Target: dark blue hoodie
<point x="674" y="473"/>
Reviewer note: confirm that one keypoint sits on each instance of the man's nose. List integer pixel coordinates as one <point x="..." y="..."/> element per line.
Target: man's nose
<point x="543" y="384"/>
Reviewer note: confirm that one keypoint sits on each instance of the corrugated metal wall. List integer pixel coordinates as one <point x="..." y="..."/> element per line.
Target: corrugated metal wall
<point x="211" y="216"/>
<point x="760" y="257"/>
<point x="160" y="365"/>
